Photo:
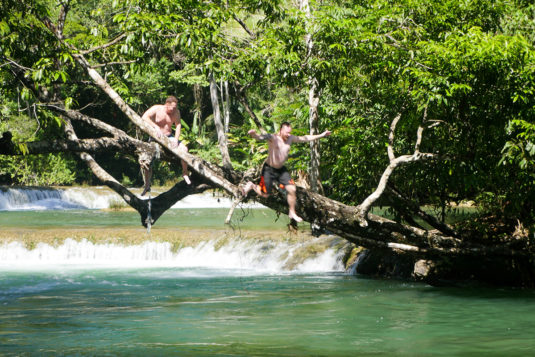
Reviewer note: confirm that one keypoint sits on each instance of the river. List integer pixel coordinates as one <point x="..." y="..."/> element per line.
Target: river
<point x="76" y="279"/>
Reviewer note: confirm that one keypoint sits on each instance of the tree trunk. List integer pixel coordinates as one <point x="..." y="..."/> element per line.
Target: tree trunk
<point x="313" y="102"/>
<point x="197" y="111"/>
<point x="226" y="105"/>
<point x="221" y="136"/>
<point x="314" y="165"/>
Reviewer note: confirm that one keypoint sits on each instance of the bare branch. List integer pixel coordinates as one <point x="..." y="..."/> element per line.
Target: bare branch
<point x="390" y="148"/>
<point x="63" y="15"/>
<point x="244" y="26"/>
<point x="112" y="63"/>
<point x="75" y="115"/>
<point x="103" y="144"/>
<point x="13" y="63"/>
<point x="242" y="98"/>
<point x="409" y="208"/>
<point x="37" y="119"/>
<point x="221" y="136"/>
<point x="365" y="206"/>
<point x="420" y="132"/>
<point x="106" y="45"/>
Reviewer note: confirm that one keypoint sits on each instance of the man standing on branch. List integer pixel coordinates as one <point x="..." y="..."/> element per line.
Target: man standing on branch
<point x="274" y="170"/>
<point x="162" y="118"/>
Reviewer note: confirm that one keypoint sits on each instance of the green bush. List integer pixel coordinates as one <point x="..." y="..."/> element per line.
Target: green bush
<point x="38" y="170"/>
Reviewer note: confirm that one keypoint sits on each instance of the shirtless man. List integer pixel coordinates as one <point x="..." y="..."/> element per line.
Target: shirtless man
<point x="274" y="169"/>
<point x="162" y="118"/>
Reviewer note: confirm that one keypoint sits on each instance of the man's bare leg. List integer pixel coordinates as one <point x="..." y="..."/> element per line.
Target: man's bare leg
<point x="185" y="173"/>
<point x="256" y="188"/>
<point x="291" y="197"/>
<point x="147" y="176"/>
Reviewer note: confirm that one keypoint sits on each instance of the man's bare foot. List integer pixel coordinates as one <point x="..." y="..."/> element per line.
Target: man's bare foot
<point x="186" y="178"/>
<point x="295" y="217"/>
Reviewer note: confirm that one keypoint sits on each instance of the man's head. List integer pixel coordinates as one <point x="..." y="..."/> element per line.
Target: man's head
<point x="285" y="130"/>
<point x="170" y="104"/>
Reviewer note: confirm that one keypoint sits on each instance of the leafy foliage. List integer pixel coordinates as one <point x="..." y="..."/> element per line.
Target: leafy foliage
<point x="467" y="65"/>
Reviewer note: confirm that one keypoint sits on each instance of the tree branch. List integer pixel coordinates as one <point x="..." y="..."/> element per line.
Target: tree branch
<point x="106" y="45"/>
<point x="242" y="98"/>
<point x="409" y="208"/>
<point x="390" y="148"/>
<point x="63" y="16"/>
<point x="112" y="63"/>
<point x="103" y="144"/>
<point x="244" y="26"/>
<point x="195" y="163"/>
<point x="366" y="205"/>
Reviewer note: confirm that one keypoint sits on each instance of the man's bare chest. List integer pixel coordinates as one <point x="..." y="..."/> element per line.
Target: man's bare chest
<point x="163" y="119"/>
<point x="280" y="145"/>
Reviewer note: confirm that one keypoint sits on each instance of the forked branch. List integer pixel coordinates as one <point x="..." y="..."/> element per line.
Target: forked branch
<point x="395" y="162"/>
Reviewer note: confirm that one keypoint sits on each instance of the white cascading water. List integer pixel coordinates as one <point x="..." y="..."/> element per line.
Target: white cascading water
<point x="239" y="254"/>
<point x="14" y="199"/>
<point x="253" y="256"/>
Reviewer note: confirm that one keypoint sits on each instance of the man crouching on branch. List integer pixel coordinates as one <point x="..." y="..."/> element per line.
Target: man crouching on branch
<point x="162" y="118"/>
<point x="274" y="170"/>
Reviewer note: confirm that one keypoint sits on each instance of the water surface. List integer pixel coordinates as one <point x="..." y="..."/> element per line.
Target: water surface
<point x="238" y="313"/>
<point x="236" y="298"/>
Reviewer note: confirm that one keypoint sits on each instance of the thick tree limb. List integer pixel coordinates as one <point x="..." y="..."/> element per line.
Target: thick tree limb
<point x="99" y="145"/>
<point x="96" y="123"/>
<point x="149" y="211"/>
<point x="63" y="15"/>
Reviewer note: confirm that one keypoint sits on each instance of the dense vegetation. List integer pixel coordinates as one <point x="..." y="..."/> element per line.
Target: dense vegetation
<point x="465" y="70"/>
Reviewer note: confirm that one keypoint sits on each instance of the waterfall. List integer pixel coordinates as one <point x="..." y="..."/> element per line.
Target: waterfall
<point x="13" y="199"/>
<point x="240" y="254"/>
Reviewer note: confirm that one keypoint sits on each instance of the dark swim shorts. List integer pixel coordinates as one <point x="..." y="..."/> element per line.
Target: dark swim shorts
<point x="271" y="175"/>
<point x="170" y="136"/>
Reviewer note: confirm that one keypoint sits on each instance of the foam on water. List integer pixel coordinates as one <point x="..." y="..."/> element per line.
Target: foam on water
<point x="255" y="257"/>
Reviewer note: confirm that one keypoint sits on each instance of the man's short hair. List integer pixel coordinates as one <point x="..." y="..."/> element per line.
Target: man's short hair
<point x="286" y="123"/>
<point x="171" y="99"/>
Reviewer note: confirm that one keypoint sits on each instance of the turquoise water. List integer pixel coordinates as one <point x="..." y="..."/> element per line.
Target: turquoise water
<point x="192" y="218"/>
<point x="54" y="309"/>
<point x="169" y="311"/>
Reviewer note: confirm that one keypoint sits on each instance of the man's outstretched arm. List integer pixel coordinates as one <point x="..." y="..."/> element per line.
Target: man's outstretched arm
<point x="305" y="138"/>
<point x="255" y="135"/>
